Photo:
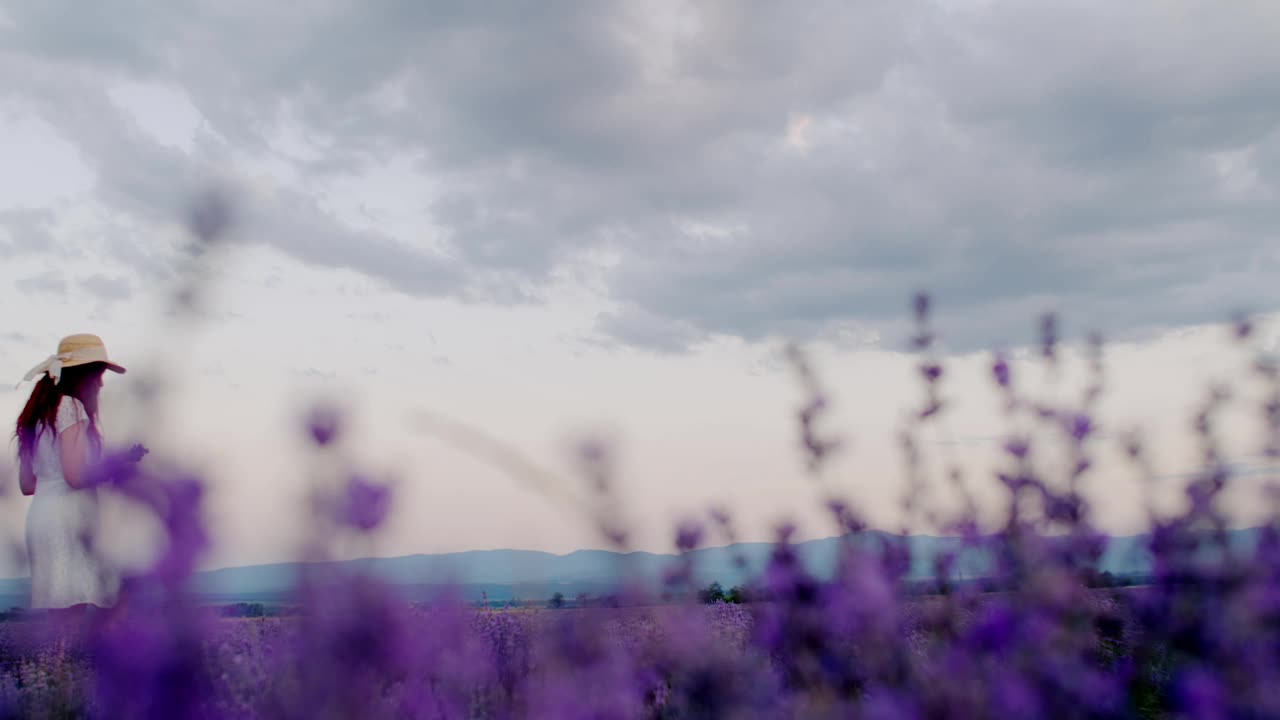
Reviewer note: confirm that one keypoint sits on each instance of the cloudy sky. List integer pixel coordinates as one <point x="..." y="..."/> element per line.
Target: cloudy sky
<point x="561" y="220"/>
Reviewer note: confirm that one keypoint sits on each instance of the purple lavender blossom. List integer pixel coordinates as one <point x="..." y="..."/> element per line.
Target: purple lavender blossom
<point x="931" y="372"/>
<point x="1000" y="370"/>
<point x="1242" y="327"/>
<point x="920" y="307"/>
<point x="1080" y="426"/>
<point x="210" y="216"/>
<point x="1048" y="335"/>
<point x="365" y="504"/>
<point x="324" y="424"/>
<point x="1018" y="447"/>
<point x="688" y="535"/>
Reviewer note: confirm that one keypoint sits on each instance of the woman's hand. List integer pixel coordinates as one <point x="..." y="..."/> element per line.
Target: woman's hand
<point x="116" y="466"/>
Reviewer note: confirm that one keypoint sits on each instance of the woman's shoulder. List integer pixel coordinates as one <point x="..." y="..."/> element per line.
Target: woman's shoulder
<point x="70" y="412"/>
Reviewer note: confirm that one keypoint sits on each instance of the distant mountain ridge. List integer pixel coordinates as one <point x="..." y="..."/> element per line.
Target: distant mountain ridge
<point x="534" y="575"/>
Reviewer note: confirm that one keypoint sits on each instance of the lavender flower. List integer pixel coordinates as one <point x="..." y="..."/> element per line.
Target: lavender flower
<point x="1048" y="335"/>
<point x="920" y="306"/>
<point x="324" y="424"/>
<point x="688" y="535"/>
<point x="1000" y="370"/>
<point x="210" y="216"/>
<point x="365" y="504"/>
<point x="1080" y="426"/>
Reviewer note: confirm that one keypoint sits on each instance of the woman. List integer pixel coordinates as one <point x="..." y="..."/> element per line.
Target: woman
<point x="58" y="442"/>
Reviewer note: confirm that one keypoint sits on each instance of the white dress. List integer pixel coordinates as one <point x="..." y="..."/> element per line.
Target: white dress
<point x="60" y="521"/>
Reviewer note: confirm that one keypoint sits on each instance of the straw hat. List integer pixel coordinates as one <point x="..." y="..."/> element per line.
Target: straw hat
<point x="74" y="350"/>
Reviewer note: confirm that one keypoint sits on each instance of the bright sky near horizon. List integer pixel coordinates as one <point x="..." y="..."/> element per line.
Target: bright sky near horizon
<point x="550" y="221"/>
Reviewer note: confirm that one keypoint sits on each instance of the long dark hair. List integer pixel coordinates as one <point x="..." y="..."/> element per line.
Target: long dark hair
<point x="41" y="410"/>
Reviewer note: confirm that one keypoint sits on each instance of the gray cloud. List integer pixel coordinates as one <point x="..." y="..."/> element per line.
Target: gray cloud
<point x="637" y="327"/>
<point x="154" y="183"/>
<point x="10" y="341"/>
<point x="1121" y="164"/>
<point x="24" y="231"/>
<point x="51" y="282"/>
<point x="107" y="288"/>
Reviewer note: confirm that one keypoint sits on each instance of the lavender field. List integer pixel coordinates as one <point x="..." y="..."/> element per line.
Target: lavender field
<point x="449" y="661"/>
<point x="1039" y="636"/>
<point x="373" y="658"/>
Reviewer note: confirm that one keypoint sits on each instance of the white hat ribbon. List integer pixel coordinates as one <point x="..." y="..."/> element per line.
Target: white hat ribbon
<point x="51" y="365"/>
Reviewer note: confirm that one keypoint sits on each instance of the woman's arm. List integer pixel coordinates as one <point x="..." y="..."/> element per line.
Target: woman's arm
<point x="26" y="476"/>
<point x="72" y="444"/>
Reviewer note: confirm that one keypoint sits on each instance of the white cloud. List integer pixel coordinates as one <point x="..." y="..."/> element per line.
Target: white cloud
<point x="797" y="136"/>
<point x="164" y="112"/>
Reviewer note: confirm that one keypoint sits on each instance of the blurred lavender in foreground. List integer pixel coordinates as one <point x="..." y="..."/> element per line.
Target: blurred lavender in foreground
<point x="1040" y="634"/>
